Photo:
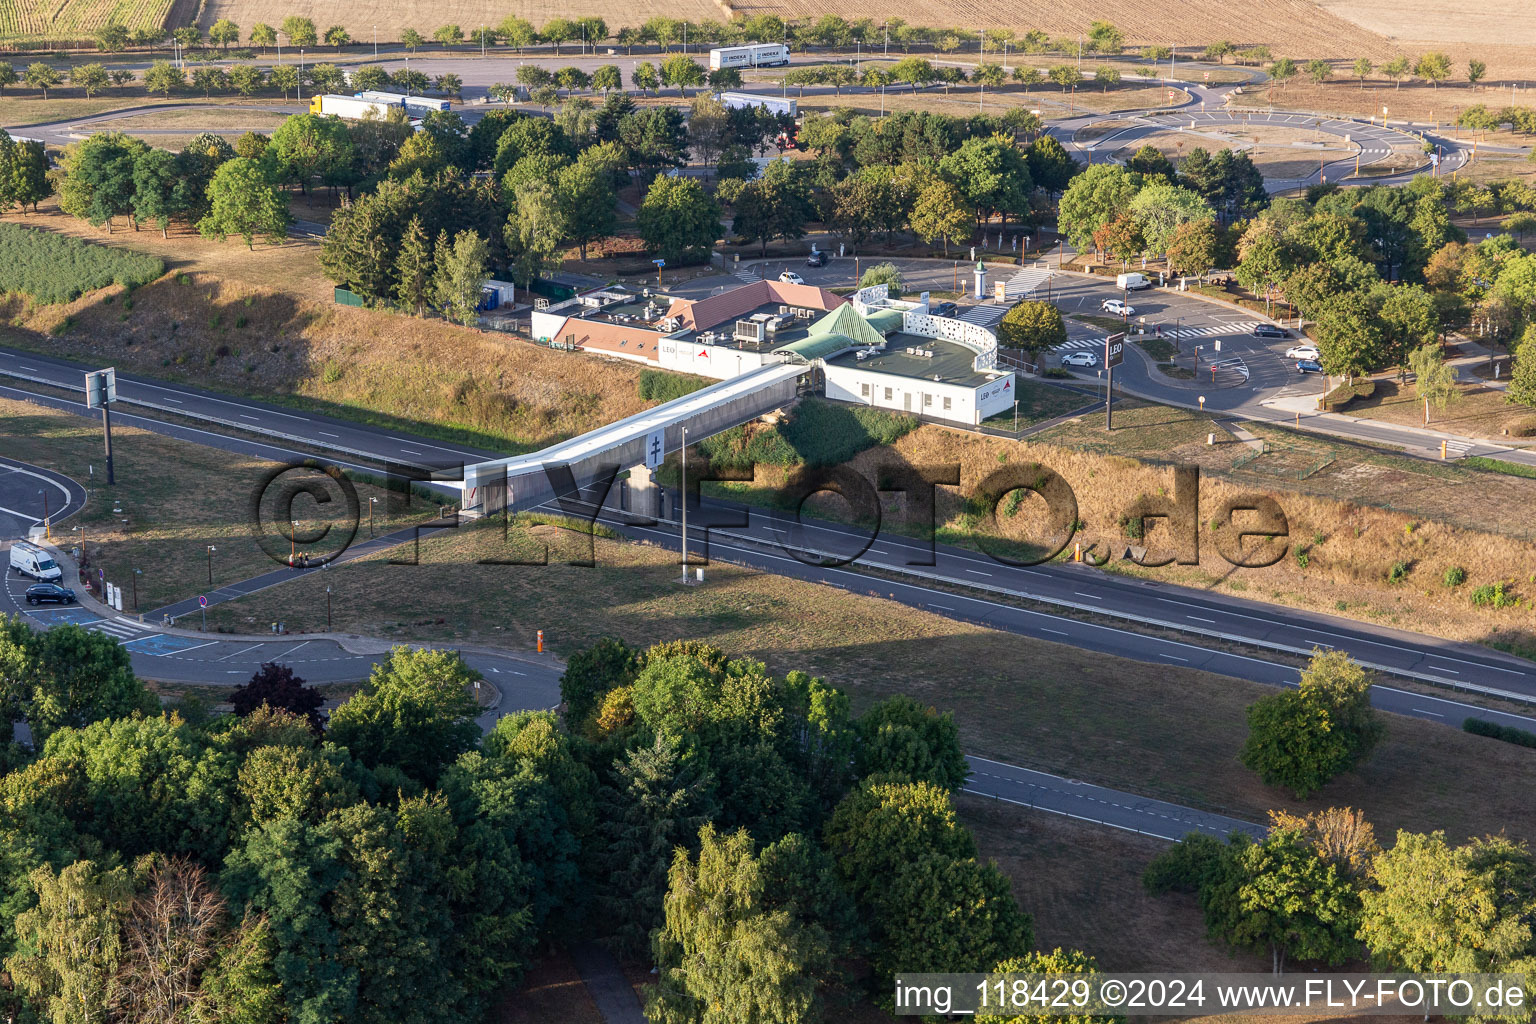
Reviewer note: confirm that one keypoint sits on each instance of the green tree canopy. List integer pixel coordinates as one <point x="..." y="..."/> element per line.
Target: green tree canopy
<point x="416" y="712"/>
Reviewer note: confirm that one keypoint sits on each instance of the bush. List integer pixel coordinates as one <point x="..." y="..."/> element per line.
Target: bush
<point x="820" y="433"/>
<point x="56" y="268"/>
<point x="663" y="386"/>
<point x="1525" y="426"/>
<point x="1185" y="867"/>
<point x="1507" y="733"/>
<point x="1455" y="576"/>
<point x="1398" y="572"/>
<point x="1494" y="595"/>
<point x="887" y="274"/>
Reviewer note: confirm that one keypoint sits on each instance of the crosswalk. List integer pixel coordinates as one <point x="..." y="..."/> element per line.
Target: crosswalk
<point x="985" y="315"/>
<point x="122" y="629"/>
<point x="1185" y="333"/>
<point x="1072" y="343"/>
<point x="1458" y="448"/>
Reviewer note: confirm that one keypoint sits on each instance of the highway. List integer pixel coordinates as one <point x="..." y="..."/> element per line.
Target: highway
<point x="1211" y="624"/>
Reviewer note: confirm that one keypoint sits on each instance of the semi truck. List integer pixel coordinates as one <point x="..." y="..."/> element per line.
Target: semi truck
<point x="751" y="55"/>
<point x="350" y="107"/>
<point x="414" y="105"/>
<point x="772" y="104"/>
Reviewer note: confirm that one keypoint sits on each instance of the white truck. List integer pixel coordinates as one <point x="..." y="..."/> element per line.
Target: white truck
<point x="750" y="55"/>
<point x="772" y="104"/>
<point x="1132" y="282"/>
<point x="416" y="106"/>
<point x="349" y="107"/>
<point x="31" y="560"/>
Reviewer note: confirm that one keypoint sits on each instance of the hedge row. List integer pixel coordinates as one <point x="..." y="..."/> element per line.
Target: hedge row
<point x="56" y="268"/>
<point x="1507" y="733"/>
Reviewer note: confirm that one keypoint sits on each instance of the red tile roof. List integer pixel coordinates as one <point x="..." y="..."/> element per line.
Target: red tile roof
<point x="627" y="341"/>
<point x="702" y="314"/>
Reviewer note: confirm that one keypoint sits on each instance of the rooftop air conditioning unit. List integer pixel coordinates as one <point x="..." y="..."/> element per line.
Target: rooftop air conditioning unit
<point x="783" y="311"/>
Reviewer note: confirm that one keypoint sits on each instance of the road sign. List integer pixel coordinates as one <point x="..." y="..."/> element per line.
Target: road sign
<point x="202" y="600"/>
<point x="1114" y="349"/>
<point x="655" y="449"/>
<point x="1207" y="76"/>
<point x="659" y="263"/>
<point x="100" y="387"/>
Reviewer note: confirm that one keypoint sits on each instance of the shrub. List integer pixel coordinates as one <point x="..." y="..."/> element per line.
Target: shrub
<point x="56" y="268"/>
<point x="1494" y="595"/>
<point x="1525" y="426"/>
<point x="1398" y="572"/>
<point x="1507" y="733"/>
<point x="1455" y="576"/>
<point x="332" y="372"/>
<point x="662" y="386"/>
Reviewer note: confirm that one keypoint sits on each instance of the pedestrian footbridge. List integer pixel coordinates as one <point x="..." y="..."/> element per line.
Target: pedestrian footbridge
<point x="636" y="443"/>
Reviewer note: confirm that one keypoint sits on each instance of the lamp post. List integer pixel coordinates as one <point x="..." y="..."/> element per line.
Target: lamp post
<point x="371" y="503"/>
<point x="279" y="37"/>
<point x="327" y="607"/>
<point x="293" y="541"/>
<point x="47" y="526"/>
<point x="682" y="504"/>
<point x="375" y="42"/>
<point x="136" y="574"/>
<point x="301" y="74"/>
<point x="211" y="550"/>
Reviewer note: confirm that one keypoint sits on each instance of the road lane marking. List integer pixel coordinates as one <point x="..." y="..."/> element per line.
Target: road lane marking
<point x="1424" y="712"/>
<point x="978" y="572"/>
<point x="1091" y="597"/>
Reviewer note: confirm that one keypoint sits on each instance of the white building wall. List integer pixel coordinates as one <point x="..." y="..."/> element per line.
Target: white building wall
<point x="904" y="394"/>
<point x="713" y="361"/>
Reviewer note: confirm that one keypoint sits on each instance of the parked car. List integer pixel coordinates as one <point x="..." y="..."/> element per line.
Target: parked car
<point x="790" y="277"/>
<point x="1302" y="352"/>
<point x="1080" y="358"/>
<point x="1308" y="366"/>
<point x="1133" y="282"/>
<point x="1117" y="307"/>
<point x="1270" y="331"/>
<point x="42" y="593"/>
<point x="947" y="309"/>
<point x="817" y="258"/>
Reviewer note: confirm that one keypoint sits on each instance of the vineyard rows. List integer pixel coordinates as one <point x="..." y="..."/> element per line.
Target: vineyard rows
<point x="71" y="18"/>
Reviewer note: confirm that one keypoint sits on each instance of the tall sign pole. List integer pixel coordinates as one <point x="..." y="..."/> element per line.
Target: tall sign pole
<point x="101" y="392"/>
<point x="1114" y="353"/>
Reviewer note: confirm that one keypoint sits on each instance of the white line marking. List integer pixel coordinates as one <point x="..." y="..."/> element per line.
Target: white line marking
<point x="1091" y="597"/>
<point x="978" y="572"/>
<point x="1423" y="712"/>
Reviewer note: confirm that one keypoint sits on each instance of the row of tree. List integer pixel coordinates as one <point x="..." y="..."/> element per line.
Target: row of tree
<point x="1318" y="888"/>
<point x="165" y="78"/>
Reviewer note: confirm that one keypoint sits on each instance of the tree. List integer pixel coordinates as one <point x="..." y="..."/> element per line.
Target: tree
<point x="413" y="268"/>
<point x="1434" y="907"/>
<point x="80" y="677"/>
<point x="1319" y="71"/>
<point x="448" y="35"/>
<point x="1397" y="69"/>
<point x="299" y="30"/>
<point x="247" y="79"/>
<point x="1476" y="69"/>
<point x="1033" y="327"/>
<point x="42" y="76"/>
<point x="734" y="946"/>
<point x="1051" y="167"/>
<point x="1065" y="75"/>
<point x="678" y="220"/>
<point x="90" y="78"/>
<point x="275" y="686"/>
<point x="171" y="939"/>
<point x="188" y="35"/>
<point x="1149" y="162"/>
<point x="901" y="739"/>
<point x="263" y="35"/>
<point x="159" y="189"/>
<point x="307" y="145"/>
<point x="112" y="37"/>
<point x="1058" y="961"/>
<point x="888" y="274"/>
<point x="71" y="941"/>
<point x="284" y="77"/>
<point x="657" y="802"/>
<point x="608" y="78"/>
<point x="1195" y="248"/>
<point x="645" y="78"/>
<point x="558" y="31"/>
<point x="1282" y="71"/>
<point x="1434" y="67"/>
<point x="411" y="39"/>
<point x="1303" y="738"/>
<point x="776" y="205"/>
<point x="223" y="32"/>
<point x="516" y="33"/>
<point x="1104" y="37"/>
<point x="1280" y="895"/>
<point x="939" y="212"/>
<point x="243" y="200"/>
<point x="682" y="71"/>
<point x="1120" y="239"/>
<point x="1106" y="76"/>
<point x="1348" y="336"/>
<point x="1094" y="198"/>
<point x="8" y="76"/>
<point x="1522" y="377"/>
<point x="209" y="79"/>
<point x="537" y="226"/>
<point x="416" y="712"/>
<point x="163" y="77"/>
<point x="1363" y="68"/>
<point x="29" y="180"/>
<point x="1160" y="209"/>
<point x="1433" y="379"/>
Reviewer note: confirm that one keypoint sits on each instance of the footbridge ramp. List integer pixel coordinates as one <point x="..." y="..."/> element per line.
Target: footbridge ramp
<point x="570" y="467"/>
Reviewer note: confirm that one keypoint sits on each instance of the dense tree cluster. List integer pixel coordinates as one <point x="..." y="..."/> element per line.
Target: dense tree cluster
<point x="1318" y="888"/>
<point x="1302" y="738"/>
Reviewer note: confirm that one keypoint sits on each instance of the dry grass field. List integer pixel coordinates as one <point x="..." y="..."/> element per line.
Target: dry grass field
<point x="1277" y="152"/>
<point x="360" y="17"/>
<point x="78" y="18"/>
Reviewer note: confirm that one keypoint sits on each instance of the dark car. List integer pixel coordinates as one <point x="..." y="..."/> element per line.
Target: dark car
<point x="817" y="258"/>
<point x="40" y="593"/>
<point x="945" y="309"/>
<point x="1270" y="331"/>
<point x="1308" y="366"/>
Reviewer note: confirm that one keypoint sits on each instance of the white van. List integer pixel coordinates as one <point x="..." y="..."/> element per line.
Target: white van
<point x="31" y="560"/>
<point x="1132" y="282"/>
